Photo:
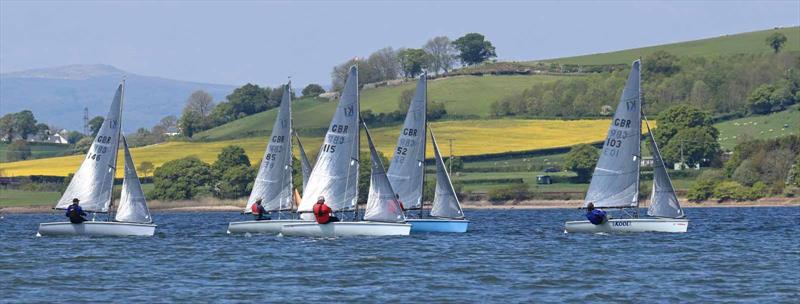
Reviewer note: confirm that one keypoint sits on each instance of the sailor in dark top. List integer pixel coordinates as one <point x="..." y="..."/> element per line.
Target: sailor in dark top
<point x="75" y="213"/>
<point x="595" y="216"/>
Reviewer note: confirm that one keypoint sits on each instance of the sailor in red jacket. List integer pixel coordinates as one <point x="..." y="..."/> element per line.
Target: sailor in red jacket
<point x="323" y="213"/>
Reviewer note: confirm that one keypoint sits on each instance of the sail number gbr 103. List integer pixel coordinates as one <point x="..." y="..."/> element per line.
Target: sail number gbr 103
<point x="615" y="136"/>
<point x="333" y="138"/>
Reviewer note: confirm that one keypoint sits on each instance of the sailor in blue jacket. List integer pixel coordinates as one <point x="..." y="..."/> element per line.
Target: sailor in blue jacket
<point x="595" y="216"/>
<point x="75" y="213"/>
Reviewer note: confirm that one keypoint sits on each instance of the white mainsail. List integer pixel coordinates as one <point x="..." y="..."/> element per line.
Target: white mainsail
<point x="132" y="203"/>
<point x="615" y="182"/>
<point x="382" y="204"/>
<point x="305" y="166"/>
<point x="407" y="168"/>
<point x="663" y="201"/>
<point x="335" y="174"/>
<point x="273" y="184"/>
<point x="93" y="181"/>
<point x="445" y="200"/>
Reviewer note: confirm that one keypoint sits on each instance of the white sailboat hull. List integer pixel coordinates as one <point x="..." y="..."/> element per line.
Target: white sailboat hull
<point x="346" y="229"/>
<point x="96" y="229"/>
<point x="267" y="226"/>
<point x="629" y="225"/>
<point x="438" y="225"/>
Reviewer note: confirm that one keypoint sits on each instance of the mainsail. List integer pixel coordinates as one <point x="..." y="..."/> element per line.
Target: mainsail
<point x="93" y="181"/>
<point x="305" y="166"/>
<point x="382" y="204"/>
<point x="132" y="204"/>
<point x="615" y="182"/>
<point x="273" y="184"/>
<point x="663" y="201"/>
<point x="407" y="168"/>
<point x="445" y="200"/>
<point x="335" y="175"/>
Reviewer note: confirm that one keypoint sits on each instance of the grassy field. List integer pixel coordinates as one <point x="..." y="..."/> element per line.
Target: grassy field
<point x="38" y="150"/>
<point x="471" y="137"/>
<point x="749" y="43"/>
<point x="463" y="95"/>
<point x="774" y="125"/>
<point x="11" y="198"/>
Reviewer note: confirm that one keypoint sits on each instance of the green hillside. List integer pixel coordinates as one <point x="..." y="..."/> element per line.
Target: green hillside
<point x="463" y="96"/>
<point x="751" y="43"/>
<point x="770" y="126"/>
<point x="38" y="150"/>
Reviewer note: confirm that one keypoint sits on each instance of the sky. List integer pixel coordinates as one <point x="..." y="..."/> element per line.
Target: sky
<point x="264" y="42"/>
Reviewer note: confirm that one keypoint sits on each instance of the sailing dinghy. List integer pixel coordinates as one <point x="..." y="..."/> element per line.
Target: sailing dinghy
<point x="335" y="177"/>
<point x="273" y="184"/>
<point x="383" y="216"/>
<point x="615" y="182"/>
<point x="446" y="213"/>
<point x="93" y="182"/>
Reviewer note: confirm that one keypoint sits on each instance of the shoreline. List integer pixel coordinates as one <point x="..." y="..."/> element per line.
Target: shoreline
<point x="212" y="205"/>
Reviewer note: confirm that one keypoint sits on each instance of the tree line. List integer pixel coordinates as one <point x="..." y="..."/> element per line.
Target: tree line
<point x="733" y="84"/>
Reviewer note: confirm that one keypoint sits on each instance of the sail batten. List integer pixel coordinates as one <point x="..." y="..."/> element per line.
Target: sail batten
<point x="663" y="200"/>
<point x="335" y="174"/>
<point x="445" y="200"/>
<point x="94" y="180"/>
<point x="382" y="203"/>
<point x="615" y="182"/>
<point x="132" y="204"/>
<point x="273" y="184"/>
<point x="407" y="167"/>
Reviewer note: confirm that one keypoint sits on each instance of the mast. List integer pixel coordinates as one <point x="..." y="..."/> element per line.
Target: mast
<point x="424" y="148"/>
<point x="116" y="149"/>
<point x="639" y="145"/>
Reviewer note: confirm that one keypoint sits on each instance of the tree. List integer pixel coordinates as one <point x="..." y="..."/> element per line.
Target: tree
<point x="442" y="53"/>
<point x="413" y="61"/>
<point x="249" y="99"/>
<point x="229" y="157"/>
<point x="18" y="150"/>
<point x="7" y="127"/>
<point x="74" y="136"/>
<point x="190" y="123"/>
<point x="43" y="130"/>
<point x="145" y="167"/>
<point x="456" y="165"/>
<point x="761" y="99"/>
<point x="95" y="124"/>
<point x="776" y="41"/>
<point x="200" y="102"/>
<point x="83" y="145"/>
<point x="169" y="124"/>
<point x="582" y="159"/>
<point x="366" y="73"/>
<point x="474" y="49"/>
<point x="312" y="90"/>
<point x="661" y="62"/>
<point x="692" y="145"/>
<point x="385" y="64"/>
<point x="183" y="178"/>
<point x="24" y="124"/>
<point x="698" y="141"/>
<point x="235" y="182"/>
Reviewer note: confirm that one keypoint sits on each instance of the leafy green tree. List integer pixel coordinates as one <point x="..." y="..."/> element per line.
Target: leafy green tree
<point x="190" y="123"/>
<point x="24" y="123"/>
<point x="74" y="136"/>
<point x="747" y="173"/>
<point x="761" y="100"/>
<point x="776" y="41"/>
<point x="95" y="124"/>
<point x="18" y="150"/>
<point x="413" y="61"/>
<point x="474" y="49"/>
<point x="7" y="127"/>
<point x="235" y="182"/>
<point x="456" y="165"/>
<point x="582" y="159"/>
<point x="312" y="90"/>
<point x="661" y="63"/>
<point x="145" y="168"/>
<point x="701" y="190"/>
<point x="83" y="145"/>
<point x="181" y="179"/>
<point x="698" y="136"/>
<point x="229" y="157"/>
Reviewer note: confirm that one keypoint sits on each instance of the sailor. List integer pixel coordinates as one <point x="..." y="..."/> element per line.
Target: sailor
<point x="258" y="211"/>
<point x="595" y="216"/>
<point x="75" y="213"/>
<point x="323" y="213"/>
<point x="397" y="198"/>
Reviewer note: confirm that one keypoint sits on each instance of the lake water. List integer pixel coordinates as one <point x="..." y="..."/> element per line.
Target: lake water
<point x="728" y="255"/>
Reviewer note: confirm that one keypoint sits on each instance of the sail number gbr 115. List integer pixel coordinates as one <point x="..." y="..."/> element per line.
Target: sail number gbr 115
<point x="333" y="138"/>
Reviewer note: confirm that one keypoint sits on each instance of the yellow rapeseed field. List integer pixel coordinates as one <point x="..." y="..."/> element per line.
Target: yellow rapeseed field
<point x="470" y="137"/>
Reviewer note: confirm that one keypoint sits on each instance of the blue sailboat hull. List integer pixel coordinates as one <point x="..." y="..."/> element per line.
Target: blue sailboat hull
<point x="438" y="225"/>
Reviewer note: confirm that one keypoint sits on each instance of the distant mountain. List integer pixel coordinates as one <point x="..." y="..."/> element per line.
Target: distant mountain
<point x="58" y="95"/>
